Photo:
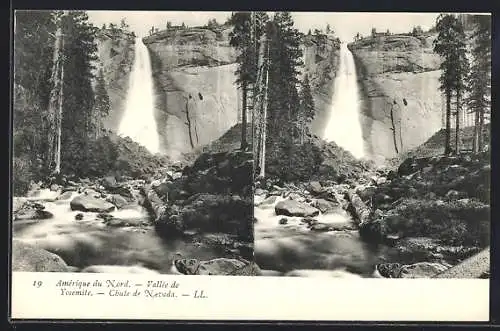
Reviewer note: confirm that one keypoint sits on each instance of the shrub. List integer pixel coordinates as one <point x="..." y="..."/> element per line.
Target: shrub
<point x="294" y="162"/>
<point x="21" y="175"/>
<point x="460" y="222"/>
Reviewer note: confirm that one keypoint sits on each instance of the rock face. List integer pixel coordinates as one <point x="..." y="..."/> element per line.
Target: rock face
<point x="197" y="99"/>
<point x="115" y="50"/>
<point x="31" y="259"/>
<point x="398" y="73"/>
<point x="321" y="59"/>
<point x="194" y="74"/>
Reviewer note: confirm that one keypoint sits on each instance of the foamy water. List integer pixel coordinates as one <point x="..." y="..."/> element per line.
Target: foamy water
<point x="344" y="127"/>
<point x="292" y="249"/>
<point x="90" y="245"/>
<point x="138" y="120"/>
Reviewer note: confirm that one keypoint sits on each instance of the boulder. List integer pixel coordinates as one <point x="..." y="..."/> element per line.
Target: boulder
<point x="109" y="182"/>
<point x="31" y="211"/>
<point x="455" y="195"/>
<point x="366" y="192"/>
<point x="422" y="270"/>
<point x="118" y="201"/>
<point x="315" y="188"/>
<point x="208" y="213"/>
<point x="259" y="191"/>
<point x="65" y="195"/>
<point x="295" y="208"/>
<point x="320" y="227"/>
<point x="79" y="217"/>
<point x="325" y="206"/>
<point x="219" y="266"/>
<point x="283" y="220"/>
<point x="18" y="203"/>
<point x="91" y="204"/>
<point x="28" y="258"/>
<point x="358" y="207"/>
<point x="389" y="270"/>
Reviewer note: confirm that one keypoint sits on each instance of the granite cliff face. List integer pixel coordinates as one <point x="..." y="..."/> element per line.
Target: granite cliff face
<point x="321" y="60"/>
<point x="115" y="50"/>
<point x="398" y="74"/>
<point x="197" y="100"/>
<point x="196" y="95"/>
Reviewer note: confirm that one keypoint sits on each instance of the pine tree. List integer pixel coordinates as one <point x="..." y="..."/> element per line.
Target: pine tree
<point x="78" y="104"/>
<point x="479" y="80"/>
<point x="241" y="38"/>
<point x="282" y="120"/>
<point x="33" y="43"/>
<point x="123" y="24"/>
<point x="461" y="71"/>
<point x="54" y="111"/>
<point x="448" y="45"/>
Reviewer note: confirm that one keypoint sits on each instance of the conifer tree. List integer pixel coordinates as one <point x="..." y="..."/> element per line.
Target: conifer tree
<point x="241" y="38"/>
<point x="479" y="80"/>
<point x="449" y="44"/>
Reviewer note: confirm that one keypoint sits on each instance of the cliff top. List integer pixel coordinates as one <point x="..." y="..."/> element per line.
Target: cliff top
<point x="201" y="35"/>
<point x="396" y="42"/>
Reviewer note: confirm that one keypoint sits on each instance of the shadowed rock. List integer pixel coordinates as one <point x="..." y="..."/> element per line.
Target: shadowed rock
<point x="31" y="259"/>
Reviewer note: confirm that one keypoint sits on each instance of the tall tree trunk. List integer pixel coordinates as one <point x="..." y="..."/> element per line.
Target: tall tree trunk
<point x="475" y="140"/>
<point x="457" y="124"/>
<point x="54" y="107"/>
<point x="244" y="116"/>
<point x="481" y="126"/>
<point x="447" y="144"/>
<point x="60" y="115"/>
<point x="264" y="126"/>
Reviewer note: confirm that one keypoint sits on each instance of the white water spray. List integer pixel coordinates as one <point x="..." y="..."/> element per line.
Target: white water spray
<point x="138" y="121"/>
<point x="344" y="127"/>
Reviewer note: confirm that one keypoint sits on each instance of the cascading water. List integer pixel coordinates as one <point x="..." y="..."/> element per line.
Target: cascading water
<point x="344" y="127"/>
<point x="138" y="121"/>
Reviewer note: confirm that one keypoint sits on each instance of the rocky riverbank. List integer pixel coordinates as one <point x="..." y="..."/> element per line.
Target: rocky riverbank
<point x="201" y="212"/>
<point x="419" y="219"/>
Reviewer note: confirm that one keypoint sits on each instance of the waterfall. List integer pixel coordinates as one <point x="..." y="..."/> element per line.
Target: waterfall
<point x="138" y="120"/>
<point x="344" y="127"/>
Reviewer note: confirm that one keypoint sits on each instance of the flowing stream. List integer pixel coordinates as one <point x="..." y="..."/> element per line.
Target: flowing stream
<point x="294" y="250"/>
<point x="138" y="121"/>
<point x="89" y="242"/>
<point x="344" y="127"/>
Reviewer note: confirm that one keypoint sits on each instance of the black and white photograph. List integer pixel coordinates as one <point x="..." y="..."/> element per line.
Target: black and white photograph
<point x="131" y="152"/>
<point x="314" y="144"/>
<point x="315" y="155"/>
<point x="371" y="143"/>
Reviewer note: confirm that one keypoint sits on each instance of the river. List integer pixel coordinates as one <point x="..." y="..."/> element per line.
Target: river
<point x="89" y="242"/>
<point x="294" y="250"/>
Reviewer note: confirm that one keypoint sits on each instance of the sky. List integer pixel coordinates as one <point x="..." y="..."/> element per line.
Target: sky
<point x="345" y="25"/>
